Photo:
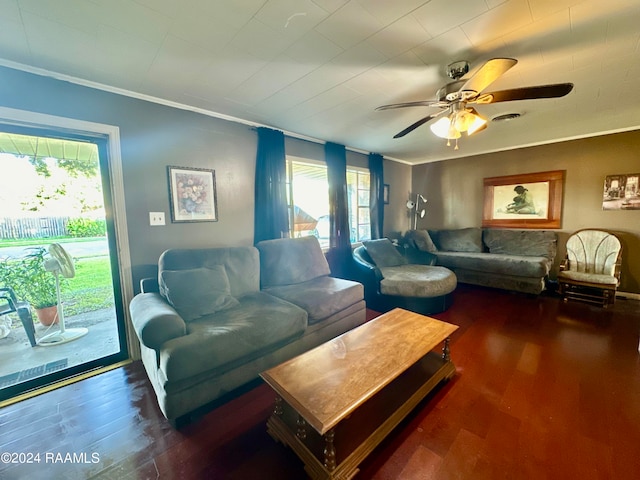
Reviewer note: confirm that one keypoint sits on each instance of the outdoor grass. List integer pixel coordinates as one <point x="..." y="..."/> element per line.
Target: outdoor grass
<point x="26" y="242"/>
<point x="91" y="289"/>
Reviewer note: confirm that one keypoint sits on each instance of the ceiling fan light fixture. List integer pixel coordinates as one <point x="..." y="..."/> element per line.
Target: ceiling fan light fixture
<point x="444" y="128"/>
<point x="463" y="120"/>
<point x="477" y="124"/>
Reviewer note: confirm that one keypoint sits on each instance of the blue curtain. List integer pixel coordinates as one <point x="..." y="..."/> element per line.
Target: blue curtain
<point x="336" y="158"/>
<point x="376" y="195"/>
<point x="339" y="256"/>
<point x="271" y="210"/>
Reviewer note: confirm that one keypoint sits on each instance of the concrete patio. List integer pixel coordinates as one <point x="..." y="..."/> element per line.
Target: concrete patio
<point x="19" y="361"/>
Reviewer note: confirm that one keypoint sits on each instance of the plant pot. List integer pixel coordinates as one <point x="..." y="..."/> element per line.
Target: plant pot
<point x="47" y="316"/>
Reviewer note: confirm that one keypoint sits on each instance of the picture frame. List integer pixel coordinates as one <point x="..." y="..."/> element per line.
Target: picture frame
<point x="532" y="200"/>
<point x="385" y="193"/>
<point x="192" y="194"/>
<point x="621" y="192"/>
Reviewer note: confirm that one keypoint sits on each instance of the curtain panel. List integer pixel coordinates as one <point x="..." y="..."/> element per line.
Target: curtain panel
<point x="336" y="158"/>
<point x="376" y="195"/>
<point x="339" y="255"/>
<point x="271" y="218"/>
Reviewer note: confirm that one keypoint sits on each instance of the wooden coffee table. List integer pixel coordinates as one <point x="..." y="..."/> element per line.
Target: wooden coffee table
<point x="337" y="402"/>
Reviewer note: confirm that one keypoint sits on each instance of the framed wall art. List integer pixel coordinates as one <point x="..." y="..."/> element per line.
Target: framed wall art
<point x="385" y="193"/>
<point x="621" y="192"/>
<point x="192" y="193"/>
<point x="532" y="200"/>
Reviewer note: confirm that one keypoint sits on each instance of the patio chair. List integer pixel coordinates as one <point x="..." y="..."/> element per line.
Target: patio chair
<point x="591" y="269"/>
<point x="10" y="304"/>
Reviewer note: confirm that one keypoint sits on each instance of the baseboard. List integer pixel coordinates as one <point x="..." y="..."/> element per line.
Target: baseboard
<point x="628" y="295"/>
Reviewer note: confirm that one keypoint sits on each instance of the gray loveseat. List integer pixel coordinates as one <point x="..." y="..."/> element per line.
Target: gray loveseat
<point x="517" y="260"/>
<point x="223" y="315"/>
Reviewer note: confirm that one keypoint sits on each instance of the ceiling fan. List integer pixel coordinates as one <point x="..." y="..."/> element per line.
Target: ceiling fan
<point x="453" y="99"/>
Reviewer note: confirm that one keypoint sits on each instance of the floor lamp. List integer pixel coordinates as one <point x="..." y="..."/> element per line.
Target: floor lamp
<point x="417" y="212"/>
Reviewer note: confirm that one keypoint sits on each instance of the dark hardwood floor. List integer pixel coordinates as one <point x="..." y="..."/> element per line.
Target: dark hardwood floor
<point x="544" y="390"/>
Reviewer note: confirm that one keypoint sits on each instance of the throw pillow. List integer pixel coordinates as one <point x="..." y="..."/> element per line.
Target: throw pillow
<point x="423" y="241"/>
<point x="461" y="240"/>
<point x="383" y="253"/>
<point x="197" y="292"/>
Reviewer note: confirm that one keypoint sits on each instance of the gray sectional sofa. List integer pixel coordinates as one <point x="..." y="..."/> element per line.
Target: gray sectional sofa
<point x="221" y="316"/>
<point x="517" y="260"/>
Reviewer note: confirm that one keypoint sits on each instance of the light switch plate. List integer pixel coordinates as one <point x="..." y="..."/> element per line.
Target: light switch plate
<point x="156" y="218"/>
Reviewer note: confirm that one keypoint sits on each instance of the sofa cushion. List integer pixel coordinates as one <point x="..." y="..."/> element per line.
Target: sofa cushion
<point x="516" y="265"/>
<point x="259" y="324"/>
<point x="287" y="261"/>
<point x="460" y="240"/>
<point x="242" y="264"/>
<point x="197" y="292"/>
<point x="321" y="297"/>
<point x="422" y="240"/>
<point x="521" y="242"/>
<point x="417" y="281"/>
<point x="384" y="253"/>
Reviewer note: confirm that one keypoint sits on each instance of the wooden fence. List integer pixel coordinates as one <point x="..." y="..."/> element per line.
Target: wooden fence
<point x="41" y="227"/>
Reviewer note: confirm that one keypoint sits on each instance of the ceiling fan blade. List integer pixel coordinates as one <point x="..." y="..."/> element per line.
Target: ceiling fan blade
<point x="420" y="122"/>
<point x="424" y="103"/>
<point x="526" y="93"/>
<point x="488" y="73"/>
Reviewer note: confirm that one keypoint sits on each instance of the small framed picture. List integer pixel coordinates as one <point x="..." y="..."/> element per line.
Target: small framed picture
<point x="385" y="193"/>
<point x="621" y="192"/>
<point x="192" y="193"/>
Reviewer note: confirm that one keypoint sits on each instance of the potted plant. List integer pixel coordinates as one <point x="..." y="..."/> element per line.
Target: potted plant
<point x="31" y="282"/>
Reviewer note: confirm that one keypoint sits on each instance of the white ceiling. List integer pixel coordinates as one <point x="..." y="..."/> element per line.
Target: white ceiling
<point x="318" y="68"/>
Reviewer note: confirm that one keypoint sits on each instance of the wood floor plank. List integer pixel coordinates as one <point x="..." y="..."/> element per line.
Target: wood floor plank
<point x="543" y="390"/>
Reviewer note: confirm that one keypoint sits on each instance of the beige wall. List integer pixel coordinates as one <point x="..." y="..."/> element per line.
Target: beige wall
<point x="455" y="189"/>
<point x="153" y="136"/>
<point x="398" y="177"/>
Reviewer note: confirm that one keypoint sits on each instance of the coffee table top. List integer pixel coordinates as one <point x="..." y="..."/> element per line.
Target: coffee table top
<point x="329" y="382"/>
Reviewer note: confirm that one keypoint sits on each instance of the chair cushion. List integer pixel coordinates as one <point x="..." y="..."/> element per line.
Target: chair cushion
<point x="593" y="278"/>
<point x="384" y="253"/>
<point x="197" y="292"/>
<point x="593" y="251"/>
<point x="417" y="281"/>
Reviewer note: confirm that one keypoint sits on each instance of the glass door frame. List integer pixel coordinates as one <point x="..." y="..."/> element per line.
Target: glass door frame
<point x="107" y="139"/>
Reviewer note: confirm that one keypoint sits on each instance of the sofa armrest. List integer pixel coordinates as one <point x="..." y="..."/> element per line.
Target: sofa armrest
<point x="366" y="268"/>
<point x="149" y="285"/>
<point x="366" y="272"/>
<point x="154" y="320"/>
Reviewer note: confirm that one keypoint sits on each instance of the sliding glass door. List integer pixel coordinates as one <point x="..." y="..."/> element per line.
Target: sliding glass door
<point x="61" y="306"/>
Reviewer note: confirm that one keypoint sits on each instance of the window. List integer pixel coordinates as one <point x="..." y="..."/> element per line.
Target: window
<point x="308" y="199"/>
